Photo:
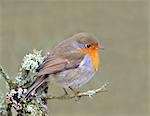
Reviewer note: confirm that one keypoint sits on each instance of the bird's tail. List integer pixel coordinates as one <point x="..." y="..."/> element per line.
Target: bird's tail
<point x="36" y="85"/>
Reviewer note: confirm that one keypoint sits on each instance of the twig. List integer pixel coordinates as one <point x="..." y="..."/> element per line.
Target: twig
<point x="6" y="77"/>
<point x="89" y="93"/>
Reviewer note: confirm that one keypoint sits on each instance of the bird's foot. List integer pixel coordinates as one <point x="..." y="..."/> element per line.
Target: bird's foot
<point x="77" y="97"/>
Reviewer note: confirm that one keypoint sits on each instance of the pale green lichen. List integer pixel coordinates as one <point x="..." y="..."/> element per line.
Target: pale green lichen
<point x="3" y="106"/>
<point x="33" y="109"/>
<point x="20" y="79"/>
<point x="31" y="61"/>
<point x="23" y="80"/>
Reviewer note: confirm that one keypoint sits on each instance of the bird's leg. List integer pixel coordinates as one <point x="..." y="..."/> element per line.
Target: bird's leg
<point x="75" y="93"/>
<point x="66" y="93"/>
<point x="74" y="90"/>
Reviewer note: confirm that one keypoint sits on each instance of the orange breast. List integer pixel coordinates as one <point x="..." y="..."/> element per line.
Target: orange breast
<point x="94" y="58"/>
<point x="94" y="55"/>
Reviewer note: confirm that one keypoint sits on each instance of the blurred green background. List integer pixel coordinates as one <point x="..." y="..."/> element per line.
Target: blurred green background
<point x="121" y="26"/>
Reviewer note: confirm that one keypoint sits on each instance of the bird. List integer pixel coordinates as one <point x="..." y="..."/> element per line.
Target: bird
<point x="71" y="64"/>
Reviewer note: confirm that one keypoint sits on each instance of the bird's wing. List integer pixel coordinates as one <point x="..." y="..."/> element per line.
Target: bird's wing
<point x="53" y="64"/>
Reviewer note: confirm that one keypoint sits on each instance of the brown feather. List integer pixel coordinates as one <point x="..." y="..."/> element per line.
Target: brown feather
<point x="57" y="65"/>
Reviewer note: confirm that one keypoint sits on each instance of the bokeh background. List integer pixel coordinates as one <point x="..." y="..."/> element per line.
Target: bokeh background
<point x="121" y="26"/>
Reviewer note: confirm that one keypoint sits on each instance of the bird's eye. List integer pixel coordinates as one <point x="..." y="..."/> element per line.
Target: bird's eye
<point x="88" y="46"/>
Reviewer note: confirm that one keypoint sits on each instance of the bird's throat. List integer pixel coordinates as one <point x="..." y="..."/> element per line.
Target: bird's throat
<point x="94" y="56"/>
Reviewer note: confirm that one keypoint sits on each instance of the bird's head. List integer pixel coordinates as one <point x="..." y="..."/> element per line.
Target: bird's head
<point x="87" y="44"/>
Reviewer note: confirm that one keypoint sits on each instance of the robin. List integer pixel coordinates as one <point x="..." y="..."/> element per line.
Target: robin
<point x="71" y="64"/>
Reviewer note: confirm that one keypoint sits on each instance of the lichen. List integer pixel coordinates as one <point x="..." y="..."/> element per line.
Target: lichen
<point x="26" y="76"/>
<point x="3" y="106"/>
<point x="33" y="110"/>
<point x="28" y="68"/>
<point x="19" y="79"/>
<point x="31" y="61"/>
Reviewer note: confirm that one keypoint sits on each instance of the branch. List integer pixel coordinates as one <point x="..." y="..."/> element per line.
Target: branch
<point x="6" y="77"/>
<point x="89" y="93"/>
